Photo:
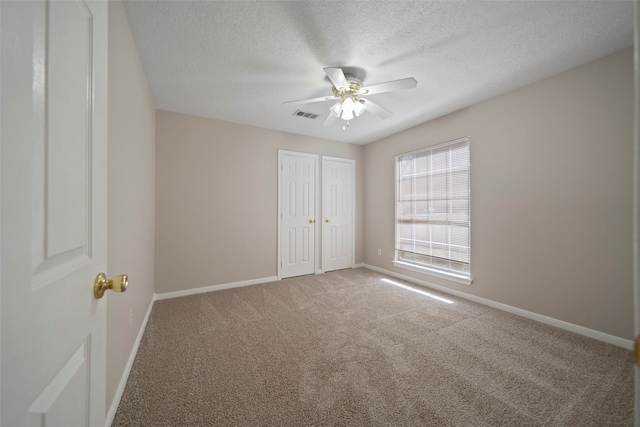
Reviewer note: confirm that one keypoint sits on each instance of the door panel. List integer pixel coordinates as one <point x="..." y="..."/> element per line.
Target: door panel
<point x="66" y="390"/>
<point x="64" y="148"/>
<point x="61" y="214"/>
<point x="53" y="222"/>
<point x="297" y="214"/>
<point x="338" y="206"/>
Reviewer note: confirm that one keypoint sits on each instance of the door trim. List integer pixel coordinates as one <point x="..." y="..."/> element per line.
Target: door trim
<point x="353" y="207"/>
<point x="636" y="205"/>
<point x="317" y="211"/>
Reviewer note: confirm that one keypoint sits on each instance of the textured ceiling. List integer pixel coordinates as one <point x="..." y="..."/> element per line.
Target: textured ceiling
<point x="238" y="61"/>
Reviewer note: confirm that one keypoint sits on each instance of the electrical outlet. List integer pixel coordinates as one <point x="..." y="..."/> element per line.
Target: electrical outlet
<point x="379" y="252"/>
<point x="130" y="317"/>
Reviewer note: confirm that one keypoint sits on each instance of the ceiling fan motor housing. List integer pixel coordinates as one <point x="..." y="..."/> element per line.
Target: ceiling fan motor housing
<point x="354" y="87"/>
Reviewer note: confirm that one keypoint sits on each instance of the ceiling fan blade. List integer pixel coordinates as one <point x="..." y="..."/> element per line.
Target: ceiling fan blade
<point x="408" y="83"/>
<point x="329" y="120"/>
<point x="375" y="109"/>
<point x="337" y="77"/>
<point x="310" y="100"/>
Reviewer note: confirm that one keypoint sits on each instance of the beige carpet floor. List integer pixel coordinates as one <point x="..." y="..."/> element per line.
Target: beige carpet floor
<point x="351" y="348"/>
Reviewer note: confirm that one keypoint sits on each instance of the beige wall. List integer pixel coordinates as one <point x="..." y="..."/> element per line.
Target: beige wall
<point x="551" y="169"/>
<point x="131" y="208"/>
<point x="216" y="202"/>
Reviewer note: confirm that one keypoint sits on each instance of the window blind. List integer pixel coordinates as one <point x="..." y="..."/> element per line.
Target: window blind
<point x="433" y="207"/>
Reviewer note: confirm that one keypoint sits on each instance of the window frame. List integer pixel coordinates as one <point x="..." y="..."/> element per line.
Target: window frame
<point x="457" y="277"/>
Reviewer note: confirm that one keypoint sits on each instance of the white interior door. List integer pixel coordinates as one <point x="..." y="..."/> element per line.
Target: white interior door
<point x="338" y="213"/>
<point x="297" y="225"/>
<point x="53" y="220"/>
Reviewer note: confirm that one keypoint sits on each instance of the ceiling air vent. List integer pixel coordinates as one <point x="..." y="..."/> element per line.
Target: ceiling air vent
<point x="307" y="115"/>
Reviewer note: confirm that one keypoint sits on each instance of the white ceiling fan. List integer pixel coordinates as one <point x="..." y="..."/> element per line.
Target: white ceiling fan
<point x="349" y="92"/>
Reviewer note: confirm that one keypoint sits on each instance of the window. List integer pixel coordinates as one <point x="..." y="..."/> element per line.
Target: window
<point x="433" y="216"/>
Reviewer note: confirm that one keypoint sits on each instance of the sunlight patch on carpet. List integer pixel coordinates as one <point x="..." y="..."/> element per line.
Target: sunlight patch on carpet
<point x="418" y="291"/>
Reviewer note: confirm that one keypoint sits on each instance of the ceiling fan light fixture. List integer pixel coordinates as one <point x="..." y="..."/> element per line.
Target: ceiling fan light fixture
<point x="348" y="106"/>
<point x="347" y="115"/>
<point x="347" y="89"/>
<point x="336" y="109"/>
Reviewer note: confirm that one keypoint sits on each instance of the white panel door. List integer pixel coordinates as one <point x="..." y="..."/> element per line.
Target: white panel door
<point x="297" y="213"/>
<point x="53" y="221"/>
<point x="338" y="213"/>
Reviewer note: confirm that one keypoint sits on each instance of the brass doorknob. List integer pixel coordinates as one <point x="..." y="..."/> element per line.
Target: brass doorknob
<point x="311" y="221"/>
<point x="117" y="284"/>
<point x="327" y="220"/>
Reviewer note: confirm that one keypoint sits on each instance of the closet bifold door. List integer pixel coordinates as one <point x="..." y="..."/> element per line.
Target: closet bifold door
<point x="297" y="182"/>
<point x="338" y="207"/>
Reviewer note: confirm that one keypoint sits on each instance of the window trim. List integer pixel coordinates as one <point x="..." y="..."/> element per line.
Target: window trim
<point x="430" y="271"/>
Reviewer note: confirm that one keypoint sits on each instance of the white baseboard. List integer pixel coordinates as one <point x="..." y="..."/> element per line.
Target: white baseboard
<point x="601" y="336"/>
<point x="127" y="369"/>
<point x="212" y="288"/>
<point x="362" y="264"/>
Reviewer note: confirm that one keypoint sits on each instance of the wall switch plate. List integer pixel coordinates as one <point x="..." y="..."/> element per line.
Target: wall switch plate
<point x="379" y="252"/>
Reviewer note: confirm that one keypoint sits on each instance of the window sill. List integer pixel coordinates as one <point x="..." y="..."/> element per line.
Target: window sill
<point x="435" y="273"/>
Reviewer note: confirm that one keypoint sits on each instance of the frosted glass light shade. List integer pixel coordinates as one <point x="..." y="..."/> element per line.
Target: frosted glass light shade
<point x="347" y="115"/>
<point x="336" y="109"/>
<point x="358" y="108"/>
<point x="348" y="108"/>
